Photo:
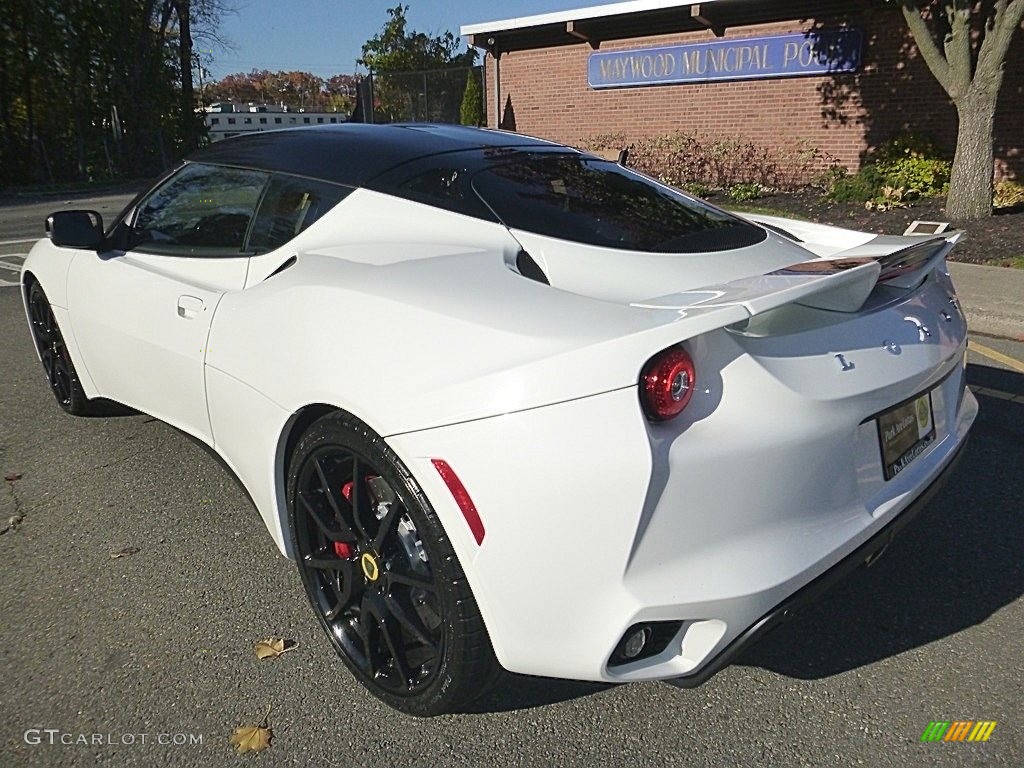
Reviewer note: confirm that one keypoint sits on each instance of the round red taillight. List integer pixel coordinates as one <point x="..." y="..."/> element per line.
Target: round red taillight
<point x="667" y="383"/>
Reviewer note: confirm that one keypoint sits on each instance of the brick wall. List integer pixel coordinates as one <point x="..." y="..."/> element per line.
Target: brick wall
<point x="545" y="93"/>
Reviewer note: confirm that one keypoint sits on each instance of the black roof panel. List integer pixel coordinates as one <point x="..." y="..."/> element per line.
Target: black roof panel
<point x="352" y="153"/>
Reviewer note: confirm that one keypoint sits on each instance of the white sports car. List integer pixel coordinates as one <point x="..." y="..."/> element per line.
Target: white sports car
<point x="509" y="405"/>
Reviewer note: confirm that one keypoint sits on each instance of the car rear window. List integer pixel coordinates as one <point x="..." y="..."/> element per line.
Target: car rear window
<point x="598" y="202"/>
<point x="290" y="205"/>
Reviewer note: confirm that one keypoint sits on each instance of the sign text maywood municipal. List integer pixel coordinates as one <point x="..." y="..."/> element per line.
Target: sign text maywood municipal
<point x="811" y="53"/>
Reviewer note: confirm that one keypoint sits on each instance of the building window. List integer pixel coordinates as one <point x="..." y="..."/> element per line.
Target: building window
<point x="248" y="120"/>
<point x="305" y="120"/>
<point x="263" y="121"/>
<point x="277" y="120"/>
<point x="291" y="120"/>
<point x="334" y="120"/>
<point x="319" y="120"/>
<point x="231" y="121"/>
<point x="214" y="121"/>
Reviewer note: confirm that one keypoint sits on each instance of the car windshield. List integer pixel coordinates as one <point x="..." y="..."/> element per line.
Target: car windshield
<point x="598" y="202"/>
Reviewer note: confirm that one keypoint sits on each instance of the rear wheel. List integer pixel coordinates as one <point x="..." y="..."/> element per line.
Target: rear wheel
<point x="380" y="572"/>
<point x="53" y="353"/>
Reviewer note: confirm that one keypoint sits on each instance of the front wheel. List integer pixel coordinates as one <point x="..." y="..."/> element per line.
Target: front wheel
<point x="53" y="353"/>
<point x="381" y="574"/>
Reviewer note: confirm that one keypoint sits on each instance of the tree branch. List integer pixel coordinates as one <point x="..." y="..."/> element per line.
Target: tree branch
<point x="958" y="49"/>
<point x="930" y="52"/>
<point x="1006" y="18"/>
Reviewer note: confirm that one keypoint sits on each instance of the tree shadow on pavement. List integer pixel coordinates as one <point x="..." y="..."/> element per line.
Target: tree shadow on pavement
<point x="960" y="561"/>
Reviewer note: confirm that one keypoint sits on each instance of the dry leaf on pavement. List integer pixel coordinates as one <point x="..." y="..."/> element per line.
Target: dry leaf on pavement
<point x="123" y="552"/>
<point x="10" y="477"/>
<point x="251" y="738"/>
<point x="271" y="648"/>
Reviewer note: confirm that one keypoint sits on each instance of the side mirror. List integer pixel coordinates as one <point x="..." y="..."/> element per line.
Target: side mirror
<point x="75" y="229"/>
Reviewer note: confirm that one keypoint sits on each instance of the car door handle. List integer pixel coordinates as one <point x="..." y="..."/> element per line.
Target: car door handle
<point x="189" y="306"/>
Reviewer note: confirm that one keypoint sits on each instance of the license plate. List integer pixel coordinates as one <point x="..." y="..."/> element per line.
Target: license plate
<point x="904" y="432"/>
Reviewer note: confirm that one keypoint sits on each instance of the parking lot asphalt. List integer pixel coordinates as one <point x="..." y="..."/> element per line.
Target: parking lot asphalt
<point x="157" y="642"/>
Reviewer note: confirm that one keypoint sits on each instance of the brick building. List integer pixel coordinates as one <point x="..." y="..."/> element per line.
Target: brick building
<point x="841" y="77"/>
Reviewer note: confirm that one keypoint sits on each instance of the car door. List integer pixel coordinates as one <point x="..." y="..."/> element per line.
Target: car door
<point x="141" y="312"/>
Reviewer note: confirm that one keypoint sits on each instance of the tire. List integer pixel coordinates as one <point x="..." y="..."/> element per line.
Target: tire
<point x="53" y="353"/>
<point x="381" y="574"/>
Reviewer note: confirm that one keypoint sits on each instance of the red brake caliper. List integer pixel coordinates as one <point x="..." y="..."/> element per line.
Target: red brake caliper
<point x="343" y="548"/>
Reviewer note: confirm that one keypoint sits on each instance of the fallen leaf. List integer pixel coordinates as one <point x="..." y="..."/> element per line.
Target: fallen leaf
<point x="10" y="477"/>
<point x="123" y="552"/>
<point x="251" y="738"/>
<point x="271" y="648"/>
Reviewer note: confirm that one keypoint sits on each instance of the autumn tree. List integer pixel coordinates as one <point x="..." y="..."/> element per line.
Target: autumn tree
<point x="964" y="45"/>
<point x="294" y="89"/>
<point x="341" y="92"/>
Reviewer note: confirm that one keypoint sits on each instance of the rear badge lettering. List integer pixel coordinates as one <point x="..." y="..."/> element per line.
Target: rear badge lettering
<point x="845" y="364"/>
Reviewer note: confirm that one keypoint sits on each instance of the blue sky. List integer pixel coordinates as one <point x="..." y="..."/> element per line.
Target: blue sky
<point x="325" y="37"/>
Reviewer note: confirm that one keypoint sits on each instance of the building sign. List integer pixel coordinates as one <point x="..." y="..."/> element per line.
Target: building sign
<point x="812" y="53"/>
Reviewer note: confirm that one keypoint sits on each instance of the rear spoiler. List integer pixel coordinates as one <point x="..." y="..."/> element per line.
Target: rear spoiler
<point x="839" y="284"/>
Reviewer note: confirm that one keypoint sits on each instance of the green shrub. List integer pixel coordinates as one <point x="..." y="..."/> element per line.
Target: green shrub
<point x="743" y="192"/>
<point x="913" y="162"/>
<point x="862" y="186"/>
<point x="697" y="189"/>
<point x="471" y="111"/>
<point x="833" y="175"/>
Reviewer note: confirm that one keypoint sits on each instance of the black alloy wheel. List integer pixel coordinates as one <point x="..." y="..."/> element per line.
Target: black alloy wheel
<point x="380" y="572"/>
<point x="53" y="353"/>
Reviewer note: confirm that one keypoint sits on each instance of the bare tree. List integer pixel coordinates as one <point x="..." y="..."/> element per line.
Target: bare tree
<point x="965" y="46"/>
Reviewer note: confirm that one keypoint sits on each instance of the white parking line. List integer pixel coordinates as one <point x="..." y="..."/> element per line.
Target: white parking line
<point x="11" y="267"/>
<point x="18" y="242"/>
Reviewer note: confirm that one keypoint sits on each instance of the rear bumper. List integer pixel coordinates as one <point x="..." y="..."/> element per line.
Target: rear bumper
<point x="770" y="486"/>
<point x="865" y="555"/>
<point x="582" y="543"/>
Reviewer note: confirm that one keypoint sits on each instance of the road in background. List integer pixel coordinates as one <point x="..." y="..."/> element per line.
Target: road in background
<point x="21" y="224"/>
<point x="158" y="640"/>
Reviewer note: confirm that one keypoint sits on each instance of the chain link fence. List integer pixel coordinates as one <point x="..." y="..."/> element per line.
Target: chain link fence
<point x="424" y="96"/>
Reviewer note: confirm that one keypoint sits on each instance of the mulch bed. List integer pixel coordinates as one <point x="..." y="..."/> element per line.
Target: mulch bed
<point x="998" y="241"/>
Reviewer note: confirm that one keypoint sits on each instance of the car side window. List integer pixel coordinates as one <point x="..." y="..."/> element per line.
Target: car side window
<point x="290" y="205"/>
<point x="203" y="210"/>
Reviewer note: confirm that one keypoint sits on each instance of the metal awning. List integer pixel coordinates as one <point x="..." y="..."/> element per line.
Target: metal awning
<point x="636" y="18"/>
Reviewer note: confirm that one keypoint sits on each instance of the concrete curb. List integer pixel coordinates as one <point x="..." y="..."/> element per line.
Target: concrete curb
<point x="992" y="298"/>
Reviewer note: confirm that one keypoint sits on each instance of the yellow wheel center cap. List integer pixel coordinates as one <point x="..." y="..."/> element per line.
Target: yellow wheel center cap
<point x="370" y="568"/>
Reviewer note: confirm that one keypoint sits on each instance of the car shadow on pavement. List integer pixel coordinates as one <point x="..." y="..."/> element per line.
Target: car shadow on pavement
<point x="514" y="692"/>
<point x="960" y="561"/>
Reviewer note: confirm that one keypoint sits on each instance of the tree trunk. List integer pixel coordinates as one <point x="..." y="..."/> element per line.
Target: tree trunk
<point x="188" y="99"/>
<point x="30" y="121"/>
<point x="970" y="184"/>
